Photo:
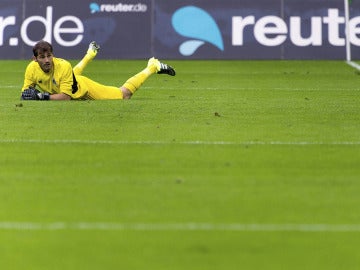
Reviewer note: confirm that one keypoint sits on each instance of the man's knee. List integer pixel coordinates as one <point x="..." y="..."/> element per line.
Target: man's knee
<point x="126" y="93"/>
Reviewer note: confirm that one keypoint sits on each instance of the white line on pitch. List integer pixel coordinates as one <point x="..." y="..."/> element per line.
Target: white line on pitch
<point x="103" y="226"/>
<point x="75" y="141"/>
<point x="353" y="64"/>
<point x="293" y="89"/>
<point x="236" y="88"/>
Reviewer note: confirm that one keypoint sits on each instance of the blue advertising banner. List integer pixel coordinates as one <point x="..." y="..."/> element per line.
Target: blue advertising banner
<point x="181" y="29"/>
<point x="122" y="28"/>
<point x="207" y="30"/>
<point x="271" y="29"/>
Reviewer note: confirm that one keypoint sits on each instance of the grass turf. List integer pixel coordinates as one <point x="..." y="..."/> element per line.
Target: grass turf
<point x="223" y="142"/>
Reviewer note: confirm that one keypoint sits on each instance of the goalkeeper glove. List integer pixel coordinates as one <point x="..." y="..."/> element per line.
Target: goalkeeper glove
<point x="34" y="94"/>
<point x="43" y="96"/>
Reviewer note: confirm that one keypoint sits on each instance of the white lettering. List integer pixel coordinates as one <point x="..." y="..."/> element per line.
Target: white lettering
<point x="355" y="30"/>
<point x="58" y="30"/>
<point x="238" y="25"/>
<point x="11" y="20"/>
<point x="333" y="20"/>
<point x="295" y="34"/>
<point x="270" y="31"/>
<point x="123" y="8"/>
<point x="45" y="21"/>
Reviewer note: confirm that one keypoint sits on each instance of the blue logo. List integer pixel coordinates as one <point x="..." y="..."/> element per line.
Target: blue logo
<point x="197" y="24"/>
<point x="94" y="7"/>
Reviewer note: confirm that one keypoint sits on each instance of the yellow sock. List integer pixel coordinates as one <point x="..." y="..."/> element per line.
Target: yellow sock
<point x="137" y="80"/>
<point x="78" y="69"/>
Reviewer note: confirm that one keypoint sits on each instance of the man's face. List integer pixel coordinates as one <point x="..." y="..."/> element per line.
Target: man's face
<point x="45" y="61"/>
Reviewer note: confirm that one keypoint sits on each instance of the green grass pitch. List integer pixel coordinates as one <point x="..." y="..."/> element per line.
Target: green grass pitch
<point x="228" y="165"/>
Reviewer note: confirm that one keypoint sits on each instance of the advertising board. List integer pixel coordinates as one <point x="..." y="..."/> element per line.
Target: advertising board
<point x="181" y="29"/>
<point x="271" y="29"/>
<point x="122" y="29"/>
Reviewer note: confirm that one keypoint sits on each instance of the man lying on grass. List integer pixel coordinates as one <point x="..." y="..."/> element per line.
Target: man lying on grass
<point x="57" y="80"/>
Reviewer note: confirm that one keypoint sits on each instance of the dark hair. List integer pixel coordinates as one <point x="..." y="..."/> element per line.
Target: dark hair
<point x="42" y="47"/>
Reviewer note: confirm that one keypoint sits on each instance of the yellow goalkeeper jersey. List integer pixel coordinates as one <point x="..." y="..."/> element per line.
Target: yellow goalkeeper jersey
<point x="59" y="80"/>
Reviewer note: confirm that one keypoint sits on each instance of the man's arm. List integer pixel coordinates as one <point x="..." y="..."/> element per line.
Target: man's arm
<point x="60" y="96"/>
<point x="34" y="94"/>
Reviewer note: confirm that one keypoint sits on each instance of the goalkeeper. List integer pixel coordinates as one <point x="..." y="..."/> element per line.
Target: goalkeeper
<point x="57" y="80"/>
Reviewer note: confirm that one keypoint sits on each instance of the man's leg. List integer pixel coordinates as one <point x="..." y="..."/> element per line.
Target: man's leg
<point x="90" y="54"/>
<point x="134" y="83"/>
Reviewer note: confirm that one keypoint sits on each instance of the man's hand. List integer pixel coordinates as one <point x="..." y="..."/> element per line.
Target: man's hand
<point x="33" y="94"/>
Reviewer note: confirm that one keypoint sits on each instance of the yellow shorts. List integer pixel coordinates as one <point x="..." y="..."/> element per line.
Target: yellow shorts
<point x="89" y="89"/>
